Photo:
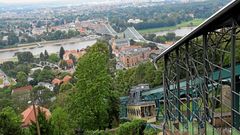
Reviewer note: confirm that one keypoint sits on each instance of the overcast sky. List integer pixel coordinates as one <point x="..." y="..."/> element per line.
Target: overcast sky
<point x="44" y="1"/>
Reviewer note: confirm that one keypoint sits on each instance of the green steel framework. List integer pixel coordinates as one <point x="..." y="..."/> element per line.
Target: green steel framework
<point x="203" y="59"/>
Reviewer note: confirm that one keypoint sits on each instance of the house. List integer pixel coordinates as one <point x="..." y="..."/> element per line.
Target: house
<point x="66" y="79"/>
<point x="21" y="90"/>
<point x="70" y="63"/>
<point x="22" y="93"/>
<point x="47" y="85"/>
<point x="5" y="39"/>
<point x="56" y="81"/>
<point x="76" y="53"/>
<point x="118" y="44"/>
<point x="29" y="116"/>
<point x="134" y="56"/>
<point x="38" y="31"/>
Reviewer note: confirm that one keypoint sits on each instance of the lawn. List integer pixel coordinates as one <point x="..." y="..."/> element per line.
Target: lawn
<point x="194" y="22"/>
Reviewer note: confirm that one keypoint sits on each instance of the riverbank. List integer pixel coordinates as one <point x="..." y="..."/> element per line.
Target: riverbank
<point x="50" y="47"/>
<point x="46" y="43"/>
<point x="191" y="23"/>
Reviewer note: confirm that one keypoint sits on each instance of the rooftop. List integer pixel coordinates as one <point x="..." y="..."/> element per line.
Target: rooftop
<point x="29" y="117"/>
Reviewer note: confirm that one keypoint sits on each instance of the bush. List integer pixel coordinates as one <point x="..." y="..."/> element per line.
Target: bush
<point x="97" y="132"/>
<point x="136" y="127"/>
<point x="151" y="131"/>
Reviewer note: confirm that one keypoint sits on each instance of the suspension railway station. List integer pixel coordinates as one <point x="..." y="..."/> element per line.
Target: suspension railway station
<point x="201" y="87"/>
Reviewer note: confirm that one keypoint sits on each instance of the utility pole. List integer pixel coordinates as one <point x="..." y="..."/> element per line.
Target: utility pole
<point x="35" y="115"/>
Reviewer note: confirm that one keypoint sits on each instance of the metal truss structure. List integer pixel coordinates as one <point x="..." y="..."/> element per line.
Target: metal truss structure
<point x="205" y="64"/>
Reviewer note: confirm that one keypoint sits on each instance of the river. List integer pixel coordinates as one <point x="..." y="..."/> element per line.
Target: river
<point x="179" y="32"/>
<point x="8" y="55"/>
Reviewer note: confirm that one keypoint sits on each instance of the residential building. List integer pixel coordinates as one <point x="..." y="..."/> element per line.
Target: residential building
<point x="66" y="79"/>
<point x="117" y="44"/>
<point x="28" y="116"/>
<point x="38" y="31"/>
<point x="76" y="53"/>
<point x="56" y="81"/>
<point x="22" y="93"/>
<point x="134" y="56"/>
<point x="70" y="63"/>
<point x="21" y="90"/>
<point x="47" y="85"/>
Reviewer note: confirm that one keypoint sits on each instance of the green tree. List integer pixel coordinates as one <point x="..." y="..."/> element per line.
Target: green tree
<point x="44" y="124"/>
<point x="60" y="122"/>
<point x="63" y="64"/>
<point x="22" y="79"/>
<point x="65" y="87"/>
<point x="42" y="57"/>
<point x="10" y="122"/>
<point x="89" y="105"/>
<point x="61" y="52"/>
<point x="25" y="57"/>
<point x="46" y="55"/>
<point x="53" y="58"/>
<point x="12" y="39"/>
<point x="73" y="58"/>
<point x="42" y="95"/>
<point x="45" y="76"/>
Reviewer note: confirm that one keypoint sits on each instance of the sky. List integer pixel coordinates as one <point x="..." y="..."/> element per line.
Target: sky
<point x="43" y="1"/>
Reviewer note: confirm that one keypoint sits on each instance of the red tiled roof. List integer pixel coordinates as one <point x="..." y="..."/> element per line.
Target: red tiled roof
<point x="67" y="78"/>
<point x="22" y="89"/>
<point x="69" y="62"/>
<point x="56" y="81"/>
<point x="28" y="115"/>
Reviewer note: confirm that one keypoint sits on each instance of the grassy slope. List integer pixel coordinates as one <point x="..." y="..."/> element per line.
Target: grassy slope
<point x="194" y="22"/>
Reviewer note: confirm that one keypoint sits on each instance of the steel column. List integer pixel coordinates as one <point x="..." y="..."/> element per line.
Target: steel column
<point x="178" y="84"/>
<point x="187" y="80"/>
<point x="165" y="92"/>
<point x="235" y="98"/>
<point x="205" y="84"/>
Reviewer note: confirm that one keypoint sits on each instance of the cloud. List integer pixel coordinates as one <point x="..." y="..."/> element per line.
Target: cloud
<point x="25" y="1"/>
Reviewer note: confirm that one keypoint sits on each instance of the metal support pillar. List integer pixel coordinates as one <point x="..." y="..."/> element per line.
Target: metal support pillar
<point x="178" y="85"/>
<point x="187" y="80"/>
<point x="205" y="81"/>
<point x="235" y="98"/>
<point x="165" y="93"/>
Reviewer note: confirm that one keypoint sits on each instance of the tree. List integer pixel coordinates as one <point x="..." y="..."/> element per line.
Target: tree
<point x="170" y="36"/>
<point x="53" y="58"/>
<point x="60" y="122"/>
<point x="73" y="58"/>
<point x="63" y="64"/>
<point x="61" y="52"/>
<point x="42" y="57"/>
<point x="46" y="55"/>
<point x="66" y="87"/>
<point x="10" y="122"/>
<point x="45" y="125"/>
<point x="45" y="76"/>
<point x="42" y="95"/>
<point x="25" y="57"/>
<point x="22" y="79"/>
<point x="89" y="105"/>
<point x="12" y="39"/>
